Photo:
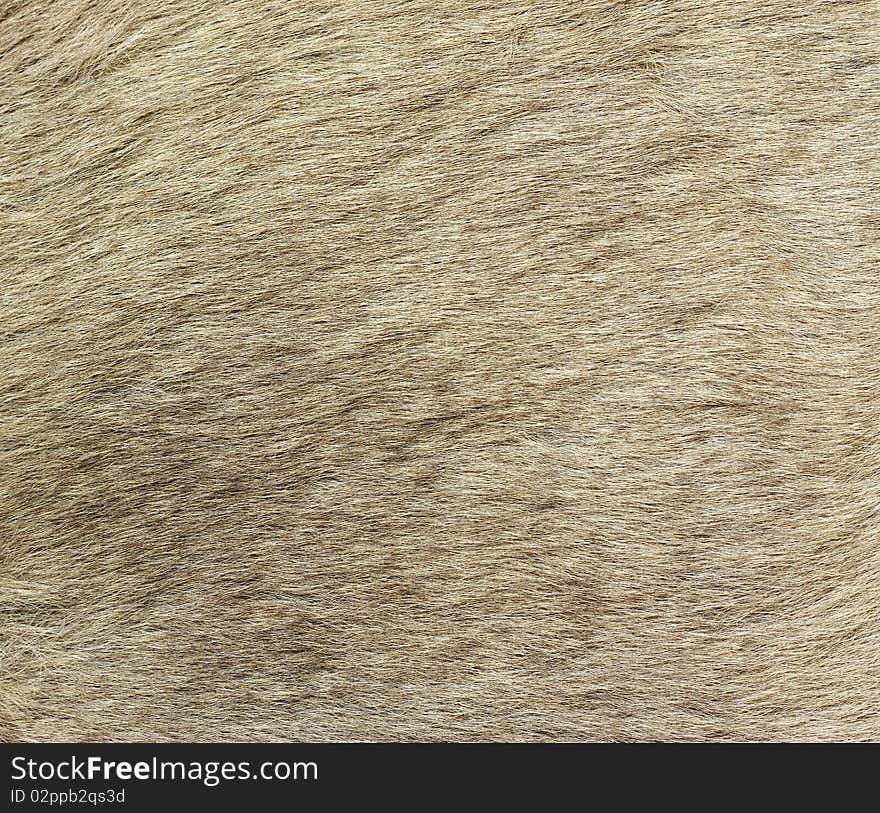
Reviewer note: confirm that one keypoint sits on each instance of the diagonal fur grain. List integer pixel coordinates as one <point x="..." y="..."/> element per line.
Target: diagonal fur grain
<point x="409" y="370"/>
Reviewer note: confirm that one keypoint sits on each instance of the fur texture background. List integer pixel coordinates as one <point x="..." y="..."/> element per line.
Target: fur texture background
<point x="414" y="370"/>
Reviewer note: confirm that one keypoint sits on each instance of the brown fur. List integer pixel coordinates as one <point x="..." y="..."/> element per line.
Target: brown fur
<point x="413" y="370"/>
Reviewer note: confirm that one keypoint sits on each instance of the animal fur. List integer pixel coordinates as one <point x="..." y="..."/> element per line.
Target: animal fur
<point x="413" y="371"/>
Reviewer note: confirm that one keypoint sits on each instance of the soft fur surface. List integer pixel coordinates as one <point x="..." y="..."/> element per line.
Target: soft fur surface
<point x="414" y="370"/>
